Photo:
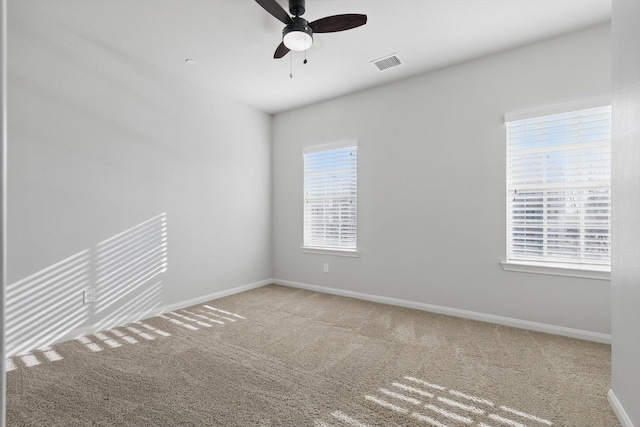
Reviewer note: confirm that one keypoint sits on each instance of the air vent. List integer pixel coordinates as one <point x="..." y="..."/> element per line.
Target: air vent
<point x="387" y="62"/>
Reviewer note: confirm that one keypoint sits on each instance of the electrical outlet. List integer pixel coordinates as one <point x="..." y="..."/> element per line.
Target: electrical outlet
<point x="88" y="296"/>
<point x="326" y="267"/>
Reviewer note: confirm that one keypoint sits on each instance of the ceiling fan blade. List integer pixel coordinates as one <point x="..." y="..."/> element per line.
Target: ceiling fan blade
<point x="281" y="51"/>
<point x="332" y="24"/>
<point x="276" y="10"/>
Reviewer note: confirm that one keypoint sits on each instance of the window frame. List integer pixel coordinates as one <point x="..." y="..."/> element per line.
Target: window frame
<point x="581" y="270"/>
<point x="330" y="250"/>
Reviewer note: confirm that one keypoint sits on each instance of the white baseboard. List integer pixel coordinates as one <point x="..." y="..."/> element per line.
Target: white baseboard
<point x="135" y="317"/>
<point x="507" y="321"/>
<point x="483" y="317"/>
<point x="619" y="410"/>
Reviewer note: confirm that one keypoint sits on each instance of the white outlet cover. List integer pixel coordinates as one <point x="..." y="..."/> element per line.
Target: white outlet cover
<point x="89" y="296"/>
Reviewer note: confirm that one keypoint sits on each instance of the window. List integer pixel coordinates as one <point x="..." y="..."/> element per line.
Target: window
<point x="330" y="197"/>
<point x="559" y="189"/>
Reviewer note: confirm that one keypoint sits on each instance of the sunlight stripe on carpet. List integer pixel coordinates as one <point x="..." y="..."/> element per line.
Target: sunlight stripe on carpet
<point x="471" y="398"/>
<point x="137" y="331"/>
<point x="462" y="406"/>
<point x="528" y="416"/>
<point x="449" y="414"/>
<point x="506" y="420"/>
<point x="427" y="419"/>
<point x="412" y="389"/>
<point x="424" y="383"/>
<point x="400" y="396"/>
<point x="89" y="344"/>
<point x="123" y="336"/>
<point x="155" y="330"/>
<point x="386" y="404"/>
<point x="347" y="419"/>
<point x="50" y="354"/>
<point x="208" y="319"/>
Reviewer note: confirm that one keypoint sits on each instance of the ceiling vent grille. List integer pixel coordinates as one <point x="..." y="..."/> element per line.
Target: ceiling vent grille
<point x="387" y="62"/>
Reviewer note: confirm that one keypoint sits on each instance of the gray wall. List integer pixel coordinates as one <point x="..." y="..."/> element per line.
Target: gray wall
<point x="3" y="146"/>
<point x="625" y="278"/>
<point x="431" y="184"/>
<point x="116" y="169"/>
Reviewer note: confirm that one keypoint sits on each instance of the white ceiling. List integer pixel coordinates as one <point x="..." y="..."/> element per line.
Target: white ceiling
<point x="232" y="41"/>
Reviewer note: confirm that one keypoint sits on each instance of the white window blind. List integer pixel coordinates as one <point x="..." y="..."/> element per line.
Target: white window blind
<point x="330" y="196"/>
<point x="559" y="188"/>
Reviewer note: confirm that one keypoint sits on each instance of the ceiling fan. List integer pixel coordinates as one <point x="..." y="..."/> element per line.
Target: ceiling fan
<point x="298" y="33"/>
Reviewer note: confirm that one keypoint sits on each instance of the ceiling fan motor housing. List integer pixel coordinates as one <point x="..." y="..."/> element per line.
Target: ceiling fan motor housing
<point x="297" y="7"/>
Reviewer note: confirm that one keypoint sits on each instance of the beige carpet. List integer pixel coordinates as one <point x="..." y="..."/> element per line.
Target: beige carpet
<point x="276" y="356"/>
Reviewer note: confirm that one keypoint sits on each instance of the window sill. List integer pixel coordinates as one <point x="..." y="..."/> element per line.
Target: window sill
<point x="569" y="270"/>
<point x="353" y="253"/>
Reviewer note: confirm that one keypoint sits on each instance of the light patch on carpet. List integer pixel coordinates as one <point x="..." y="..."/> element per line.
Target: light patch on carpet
<point x="29" y="360"/>
<point x="386" y="404"/>
<point x="459" y="405"/>
<point x="193" y="321"/>
<point x="225" y="312"/>
<point x="208" y="319"/>
<point x="137" y="331"/>
<point x="400" y="396"/>
<point x="109" y="339"/>
<point x="449" y="414"/>
<point x="111" y="343"/>
<point x="427" y="419"/>
<point x="506" y="420"/>
<point x="50" y="354"/>
<point x="190" y="319"/>
<point x="412" y="389"/>
<point x="471" y="398"/>
<point x="179" y="322"/>
<point x="339" y="415"/>
<point x="445" y="397"/>
<point x="424" y="383"/>
<point x="527" y="416"/>
<point x="217" y="315"/>
<point x="123" y="336"/>
<point x="155" y="330"/>
<point x="89" y="344"/>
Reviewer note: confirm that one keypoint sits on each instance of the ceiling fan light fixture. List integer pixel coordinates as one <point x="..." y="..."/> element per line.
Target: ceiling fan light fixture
<point x="297" y="40"/>
<point x="298" y="35"/>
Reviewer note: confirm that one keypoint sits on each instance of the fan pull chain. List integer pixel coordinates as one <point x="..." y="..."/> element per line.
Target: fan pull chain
<point x="291" y="65"/>
<point x="305" y="57"/>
